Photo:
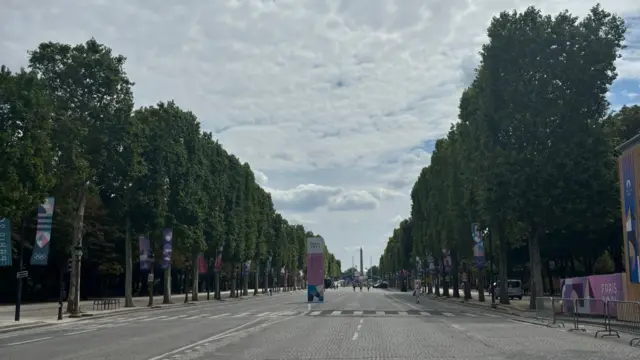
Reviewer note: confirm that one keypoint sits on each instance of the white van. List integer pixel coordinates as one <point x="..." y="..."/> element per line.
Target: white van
<point x="514" y="289"/>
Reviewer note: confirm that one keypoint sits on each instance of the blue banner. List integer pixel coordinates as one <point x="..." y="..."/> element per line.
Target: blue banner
<point x="5" y="242"/>
<point x="478" y="246"/>
<point x="630" y="214"/>
<point x="167" y="247"/>
<point x="145" y="252"/>
<point x="40" y="254"/>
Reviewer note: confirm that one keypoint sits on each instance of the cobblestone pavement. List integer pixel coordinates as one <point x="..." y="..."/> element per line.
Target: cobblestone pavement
<point x="349" y="325"/>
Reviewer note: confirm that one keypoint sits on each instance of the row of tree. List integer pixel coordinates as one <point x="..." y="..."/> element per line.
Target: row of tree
<point x="531" y="159"/>
<point x="68" y="129"/>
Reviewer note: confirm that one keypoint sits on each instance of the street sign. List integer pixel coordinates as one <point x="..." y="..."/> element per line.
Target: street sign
<point x="150" y="277"/>
<point x="22" y="274"/>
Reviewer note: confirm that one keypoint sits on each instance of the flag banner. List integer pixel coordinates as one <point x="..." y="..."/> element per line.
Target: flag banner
<point x="145" y="252"/>
<point x="5" y="242"/>
<point x="167" y="247"/>
<point x="40" y="254"/>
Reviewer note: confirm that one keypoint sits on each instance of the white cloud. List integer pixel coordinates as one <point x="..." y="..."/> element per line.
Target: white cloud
<point x="261" y="178"/>
<point x="337" y="101"/>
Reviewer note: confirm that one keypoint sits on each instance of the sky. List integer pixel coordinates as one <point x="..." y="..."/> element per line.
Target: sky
<point x="336" y="105"/>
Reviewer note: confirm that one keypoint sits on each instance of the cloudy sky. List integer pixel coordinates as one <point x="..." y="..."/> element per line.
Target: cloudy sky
<point x="335" y="104"/>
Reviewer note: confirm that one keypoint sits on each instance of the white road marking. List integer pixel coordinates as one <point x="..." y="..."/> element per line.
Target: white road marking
<point x="219" y="315"/>
<point x="359" y="326"/>
<point x="193" y="317"/>
<point x="241" y="315"/>
<point x="80" y="332"/>
<point x="361" y="320"/>
<point x="155" y="318"/>
<point x="336" y="313"/>
<point x="264" y="314"/>
<point x="380" y="313"/>
<point x="357" y="313"/>
<point x="472" y="315"/>
<point x="456" y="326"/>
<point x="355" y="336"/>
<point x="314" y="313"/>
<point x="402" y="313"/>
<point x="29" y="341"/>
<point x="229" y="332"/>
<point x="170" y="318"/>
<point x="491" y="315"/>
<point x="447" y="314"/>
<point x="424" y="313"/>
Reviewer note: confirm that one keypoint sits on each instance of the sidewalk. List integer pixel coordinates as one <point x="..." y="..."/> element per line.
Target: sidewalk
<point x="515" y="307"/>
<point x="43" y="314"/>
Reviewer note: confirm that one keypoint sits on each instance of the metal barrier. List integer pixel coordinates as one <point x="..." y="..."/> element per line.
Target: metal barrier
<point x="614" y="317"/>
<point x="624" y="316"/>
<point x="106" y="304"/>
<point x="546" y="309"/>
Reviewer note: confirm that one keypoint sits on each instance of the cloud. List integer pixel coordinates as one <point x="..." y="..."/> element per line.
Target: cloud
<point x="309" y="197"/>
<point x="261" y="178"/>
<point x="338" y="101"/>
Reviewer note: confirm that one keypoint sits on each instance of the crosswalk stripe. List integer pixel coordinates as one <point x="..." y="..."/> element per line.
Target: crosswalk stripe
<point x="491" y="315"/>
<point x="402" y="313"/>
<point x="219" y="315"/>
<point x="155" y="318"/>
<point x="171" y="318"/>
<point x="357" y="313"/>
<point x="241" y="315"/>
<point x="193" y="317"/>
<point x="138" y="318"/>
<point x="472" y="315"/>
<point x="336" y="313"/>
<point x="264" y="314"/>
<point x="424" y="313"/>
<point x="314" y="313"/>
<point x="380" y="312"/>
<point x="288" y="313"/>
<point x="447" y="314"/>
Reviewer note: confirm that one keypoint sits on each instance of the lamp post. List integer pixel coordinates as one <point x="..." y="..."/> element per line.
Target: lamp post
<point x="77" y="252"/>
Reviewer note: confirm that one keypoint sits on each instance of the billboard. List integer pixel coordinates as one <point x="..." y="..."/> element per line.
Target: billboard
<point x="315" y="269"/>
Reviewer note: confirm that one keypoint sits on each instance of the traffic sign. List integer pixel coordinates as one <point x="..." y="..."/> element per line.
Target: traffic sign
<point x="22" y="274"/>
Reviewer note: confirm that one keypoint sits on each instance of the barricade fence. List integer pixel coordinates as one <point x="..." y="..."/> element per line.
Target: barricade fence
<point x="613" y="317"/>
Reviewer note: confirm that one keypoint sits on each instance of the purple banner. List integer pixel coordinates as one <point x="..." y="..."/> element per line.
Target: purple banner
<point x="145" y="252"/>
<point x="592" y="292"/>
<point x="167" y="247"/>
<point x="478" y="246"/>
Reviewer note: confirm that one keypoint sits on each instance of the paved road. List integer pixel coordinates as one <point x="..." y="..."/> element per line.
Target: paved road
<point x="360" y="325"/>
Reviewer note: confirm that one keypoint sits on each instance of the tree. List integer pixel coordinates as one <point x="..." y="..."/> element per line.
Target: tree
<point x="26" y="155"/>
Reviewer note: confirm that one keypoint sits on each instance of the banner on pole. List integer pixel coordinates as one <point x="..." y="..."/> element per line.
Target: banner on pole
<point x="315" y="269"/>
<point x="145" y="252"/>
<point x="202" y="264"/>
<point x="478" y="246"/>
<point x="167" y="247"/>
<point x="40" y="254"/>
<point x="5" y="242"/>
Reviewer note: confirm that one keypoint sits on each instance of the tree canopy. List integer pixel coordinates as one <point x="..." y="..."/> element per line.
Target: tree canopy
<point x="68" y="129"/>
<point x="531" y="158"/>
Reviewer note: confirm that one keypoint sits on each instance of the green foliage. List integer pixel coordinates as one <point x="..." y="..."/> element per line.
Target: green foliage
<point x="532" y="156"/>
<point x="147" y="169"/>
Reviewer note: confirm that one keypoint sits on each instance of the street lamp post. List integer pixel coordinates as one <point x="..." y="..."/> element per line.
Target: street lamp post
<point x="77" y="252"/>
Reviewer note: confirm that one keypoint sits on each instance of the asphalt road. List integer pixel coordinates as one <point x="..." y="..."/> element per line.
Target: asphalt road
<point x="360" y="325"/>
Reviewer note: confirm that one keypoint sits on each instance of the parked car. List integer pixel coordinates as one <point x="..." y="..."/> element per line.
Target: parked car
<point x="514" y="289"/>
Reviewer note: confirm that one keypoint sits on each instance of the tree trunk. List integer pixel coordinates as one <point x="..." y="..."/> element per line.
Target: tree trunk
<point x="455" y="272"/>
<point x="150" y="286"/>
<point x="481" y="276"/>
<point x="233" y="281"/>
<point x="504" y="269"/>
<point x="245" y="284"/>
<point x="73" y="305"/>
<point x="166" y="296"/>
<point x="256" y="284"/>
<point x="196" y="278"/>
<point x="128" y="264"/>
<point x="535" y="265"/>
<point x="217" y="289"/>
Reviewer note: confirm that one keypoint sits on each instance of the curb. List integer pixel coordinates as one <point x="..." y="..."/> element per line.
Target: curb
<point x="516" y="313"/>
<point x="143" y="309"/>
